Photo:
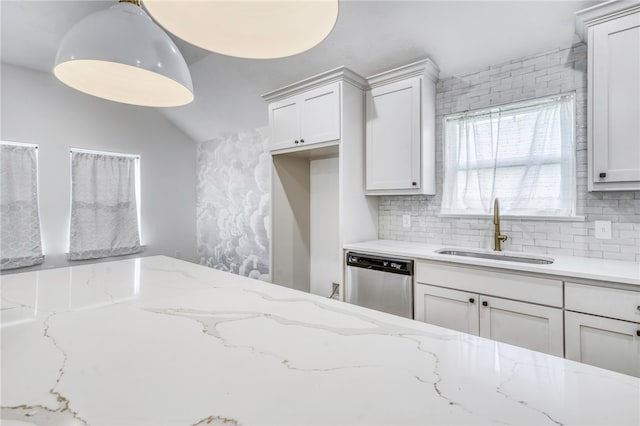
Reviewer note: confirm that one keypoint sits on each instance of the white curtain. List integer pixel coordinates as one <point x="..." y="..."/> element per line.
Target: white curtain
<point x="20" y="241"/>
<point x="104" y="219"/>
<point x="523" y="154"/>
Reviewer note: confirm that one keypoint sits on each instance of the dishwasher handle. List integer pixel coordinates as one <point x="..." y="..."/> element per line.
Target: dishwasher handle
<point x="384" y="264"/>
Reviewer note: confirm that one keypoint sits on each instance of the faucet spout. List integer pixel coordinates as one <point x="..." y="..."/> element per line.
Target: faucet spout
<point x="498" y="238"/>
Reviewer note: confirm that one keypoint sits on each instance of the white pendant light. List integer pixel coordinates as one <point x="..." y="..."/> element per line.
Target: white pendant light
<point x="257" y="29"/>
<point x="120" y="54"/>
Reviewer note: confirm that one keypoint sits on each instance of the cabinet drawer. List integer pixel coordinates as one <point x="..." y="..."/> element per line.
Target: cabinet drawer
<point x="543" y="291"/>
<point x="607" y="302"/>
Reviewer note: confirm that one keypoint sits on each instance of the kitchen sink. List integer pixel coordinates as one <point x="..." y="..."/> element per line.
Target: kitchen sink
<point x="497" y="256"/>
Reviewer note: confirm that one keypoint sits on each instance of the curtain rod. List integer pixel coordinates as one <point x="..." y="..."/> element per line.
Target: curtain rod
<point x="28" y="145"/>
<point x="94" y="151"/>
<point x="508" y="107"/>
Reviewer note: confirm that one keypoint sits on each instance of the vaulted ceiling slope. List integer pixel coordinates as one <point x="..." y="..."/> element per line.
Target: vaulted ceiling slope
<point x="369" y="37"/>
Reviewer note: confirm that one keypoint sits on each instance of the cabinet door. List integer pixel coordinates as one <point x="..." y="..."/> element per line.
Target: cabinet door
<point x="393" y="150"/>
<point x="283" y="121"/>
<point x="447" y="308"/>
<point x="530" y="326"/>
<point x="603" y="342"/>
<point x="616" y="100"/>
<point x="320" y="114"/>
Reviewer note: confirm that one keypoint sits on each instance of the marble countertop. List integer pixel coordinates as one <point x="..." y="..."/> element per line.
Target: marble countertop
<point x="159" y="341"/>
<point x="566" y="266"/>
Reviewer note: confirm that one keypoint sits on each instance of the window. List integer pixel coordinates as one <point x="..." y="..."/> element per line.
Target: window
<point x="20" y="239"/>
<point x="104" y="205"/>
<point x="523" y="154"/>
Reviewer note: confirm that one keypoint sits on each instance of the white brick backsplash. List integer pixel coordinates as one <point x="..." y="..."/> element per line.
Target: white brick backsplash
<point x="544" y="74"/>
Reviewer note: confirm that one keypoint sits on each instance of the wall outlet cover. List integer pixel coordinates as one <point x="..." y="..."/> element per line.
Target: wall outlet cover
<point x="603" y="229"/>
<point x="406" y="221"/>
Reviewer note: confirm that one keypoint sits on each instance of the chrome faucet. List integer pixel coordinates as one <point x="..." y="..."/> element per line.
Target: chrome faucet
<point x="497" y="237"/>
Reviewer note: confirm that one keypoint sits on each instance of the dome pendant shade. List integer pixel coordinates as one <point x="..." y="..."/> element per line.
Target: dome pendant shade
<point x="121" y="55"/>
<point x="256" y="29"/>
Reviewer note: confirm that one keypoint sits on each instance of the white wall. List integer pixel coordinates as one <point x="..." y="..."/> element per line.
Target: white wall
<point x="325" y="261"/>
<point x="36" y="108"/>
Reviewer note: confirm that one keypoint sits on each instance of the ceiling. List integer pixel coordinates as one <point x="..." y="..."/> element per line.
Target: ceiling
<point x="369" y="37"/>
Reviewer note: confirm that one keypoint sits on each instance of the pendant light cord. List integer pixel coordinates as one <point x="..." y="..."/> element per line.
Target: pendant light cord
<point x="136" y="2"/>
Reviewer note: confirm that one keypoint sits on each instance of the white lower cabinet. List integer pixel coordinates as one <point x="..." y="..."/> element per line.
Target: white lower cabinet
<point x="530" y="326"/>
<point x="602" y="327"/>
<point x="604" y="342"/>
<point x="594" y="323"/>
<point x="518" y="323"/>
<point x="457" y="310"/>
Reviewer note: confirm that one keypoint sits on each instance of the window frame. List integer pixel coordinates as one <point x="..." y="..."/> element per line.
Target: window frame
<point x="507" y="107"/>
<point x="42" y="256"/>
<point x="137" y="184"/>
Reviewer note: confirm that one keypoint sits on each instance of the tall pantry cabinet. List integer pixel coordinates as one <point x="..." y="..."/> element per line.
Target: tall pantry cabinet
<point x="612" y="33"/>
<point x="317" y="179"/>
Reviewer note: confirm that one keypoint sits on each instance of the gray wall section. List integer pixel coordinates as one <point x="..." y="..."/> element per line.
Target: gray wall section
<point x="233" y="195"/>
<point x="38" y="109"/>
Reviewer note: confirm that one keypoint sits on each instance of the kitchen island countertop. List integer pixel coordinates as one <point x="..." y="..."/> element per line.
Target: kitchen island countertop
<point x="156" y="340"/>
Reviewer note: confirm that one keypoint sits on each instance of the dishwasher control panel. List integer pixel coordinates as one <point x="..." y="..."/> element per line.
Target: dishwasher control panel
<point x="398" y="266"/>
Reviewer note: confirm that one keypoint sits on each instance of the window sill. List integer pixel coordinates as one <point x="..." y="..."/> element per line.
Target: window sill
<point x="511" y="217"/>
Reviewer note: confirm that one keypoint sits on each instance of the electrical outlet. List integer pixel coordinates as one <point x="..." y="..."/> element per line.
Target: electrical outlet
<point x="603" y="229"/>
<point x="406" y="221"/>
<point x="335" y="291"/>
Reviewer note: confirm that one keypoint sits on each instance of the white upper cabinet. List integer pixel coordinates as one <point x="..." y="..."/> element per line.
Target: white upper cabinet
<point x="306" y="118"/>
<point x="613" y="39"/>
<point x="283" y="119"/>
<point x="320" y="114"/>
<point x="393" y="136"/>
<point x="400" y="128"/>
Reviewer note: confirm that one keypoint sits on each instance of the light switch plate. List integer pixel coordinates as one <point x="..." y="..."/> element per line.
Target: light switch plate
<point x="603" y="229"/>
<point x="406" y="221"/>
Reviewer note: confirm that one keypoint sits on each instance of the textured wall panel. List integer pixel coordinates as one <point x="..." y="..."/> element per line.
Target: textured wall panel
<point x="233" y="203"/>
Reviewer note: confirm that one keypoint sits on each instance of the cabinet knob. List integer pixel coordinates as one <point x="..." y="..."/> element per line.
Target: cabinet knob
<point x="414" y="183"/>
<point x="603" y="175"/>
<point x="472" y="300"/>
<point x="301" y="140"/>
<point x="296" y="142"/>
<point x="638" y="308"/>
<point x="485" y="303"/>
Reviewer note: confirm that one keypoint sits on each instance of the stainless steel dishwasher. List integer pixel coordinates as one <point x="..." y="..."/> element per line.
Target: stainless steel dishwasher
<point x="380" y="283"/>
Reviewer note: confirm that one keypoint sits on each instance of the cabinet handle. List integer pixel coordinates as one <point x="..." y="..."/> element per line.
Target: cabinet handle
<point x="638" y="333"/>
<point x="638" y="308"/>
<point x="296" y="142"/>
<point x="485" y="303"/>
<point x="603" y="175"/>
<point x="414" y="183"/>
<point x="472" y="300"/>
<point x="301" y="140"/>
